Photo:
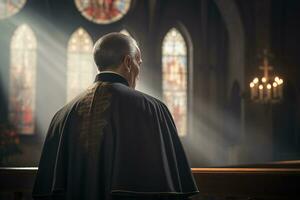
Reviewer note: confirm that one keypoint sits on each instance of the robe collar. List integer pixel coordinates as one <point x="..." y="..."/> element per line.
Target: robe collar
<point x="112" y="77"/>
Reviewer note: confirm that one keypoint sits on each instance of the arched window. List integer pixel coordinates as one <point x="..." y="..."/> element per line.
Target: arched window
<point x="23" y="80"/>
<point x="174" y="69"/>
<point x="10" y="7"/>
<point x="80" y="70"/>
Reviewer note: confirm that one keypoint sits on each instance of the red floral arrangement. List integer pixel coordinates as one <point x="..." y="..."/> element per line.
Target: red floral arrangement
<point x="9" y="142"/>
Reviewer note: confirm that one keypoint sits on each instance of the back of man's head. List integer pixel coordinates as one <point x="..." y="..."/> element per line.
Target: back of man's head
<point x="110" y="50"/>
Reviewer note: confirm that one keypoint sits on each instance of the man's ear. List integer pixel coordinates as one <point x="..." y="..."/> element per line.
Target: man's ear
<point x="127" y="61"/>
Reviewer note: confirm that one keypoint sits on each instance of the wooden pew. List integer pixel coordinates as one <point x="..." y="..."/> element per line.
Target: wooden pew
<point x="262" y="181"/>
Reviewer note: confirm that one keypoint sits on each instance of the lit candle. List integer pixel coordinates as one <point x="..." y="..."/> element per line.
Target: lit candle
<point x="261" y="92"/>
<point x="269" y="91"/>
<point x="280" y="88"/>
<point x="255" y="91"/>
<point x="274" y="90"/>
<point x="255" y="81"/>
<point x="252" y="86"/>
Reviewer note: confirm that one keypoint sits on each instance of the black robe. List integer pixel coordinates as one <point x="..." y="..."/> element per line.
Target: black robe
<point x="113" y="141"/>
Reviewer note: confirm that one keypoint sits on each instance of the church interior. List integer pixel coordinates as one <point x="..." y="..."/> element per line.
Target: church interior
<point x="226" y="69"/>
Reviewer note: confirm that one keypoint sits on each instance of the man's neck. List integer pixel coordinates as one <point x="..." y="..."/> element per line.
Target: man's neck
<point x="114" y="72"/>
<point x="111" y="76"/>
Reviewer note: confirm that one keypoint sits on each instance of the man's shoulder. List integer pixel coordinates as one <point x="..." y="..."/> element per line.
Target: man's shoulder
<point x="150" y="98"/>
<point x="62" y="113"/>
<point x="124" y="95"/>
<point x="66" y="109"/>
<point x="128" y="93"/>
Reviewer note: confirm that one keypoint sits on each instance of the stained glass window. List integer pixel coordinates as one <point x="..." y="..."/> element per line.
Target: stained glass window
<point x="174" y="68"/>
<point x="103" y="11"/>
<point x="23" y="80"/>
<point x="10" y="7"/>
<point x="80" y="70"/>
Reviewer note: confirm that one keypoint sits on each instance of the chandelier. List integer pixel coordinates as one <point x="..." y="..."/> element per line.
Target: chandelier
<point x="266" y="89"/>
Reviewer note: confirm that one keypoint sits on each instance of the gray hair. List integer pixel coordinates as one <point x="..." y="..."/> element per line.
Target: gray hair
<point x="110" y="50"/>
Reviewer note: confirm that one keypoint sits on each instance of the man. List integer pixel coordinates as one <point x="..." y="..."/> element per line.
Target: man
<point x="113" y="142"/>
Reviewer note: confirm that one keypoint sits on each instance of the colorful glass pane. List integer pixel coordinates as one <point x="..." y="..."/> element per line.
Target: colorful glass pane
<point x="80" y="70"/>
<point x="23" y="80"/>
<point x="174" y="61"/>
<point x="103" y="11"/>
<point x="10" y="7"/>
